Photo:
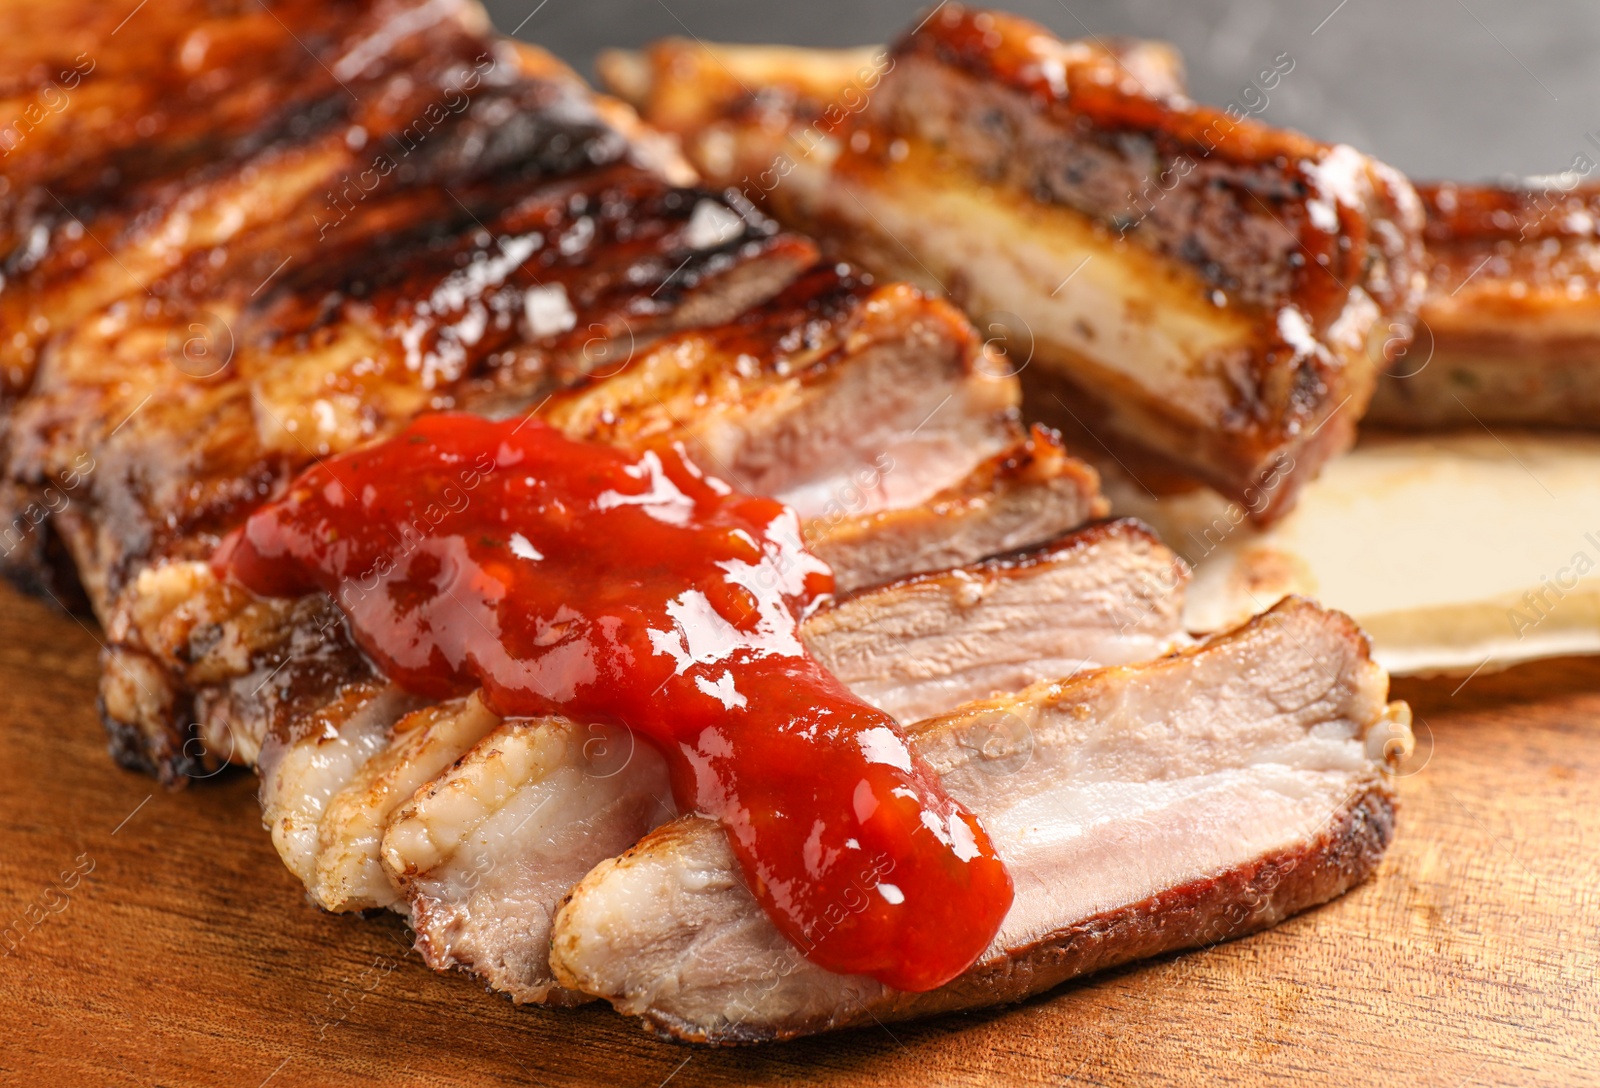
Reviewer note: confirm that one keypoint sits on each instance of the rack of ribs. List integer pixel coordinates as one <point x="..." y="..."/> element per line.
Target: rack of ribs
<point x="379" y="212"/>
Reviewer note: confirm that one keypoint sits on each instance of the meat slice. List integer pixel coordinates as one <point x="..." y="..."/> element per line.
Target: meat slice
<point x="1178" y="281"/>
<point x="190" y="650"/>
<point x="833" y="389"/>
<point x="1139" y="809"/>
<point x="1510" y="330"/>
<point x="421" y="745"/>
<point x="485" y="852"/>
<point x="1107" y="595"/>
<point x="301" y="775"/>
<point x="1029" y="493"/>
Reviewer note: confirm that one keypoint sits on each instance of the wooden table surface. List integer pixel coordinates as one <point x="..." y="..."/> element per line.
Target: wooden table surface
<point x="188" y="955"/>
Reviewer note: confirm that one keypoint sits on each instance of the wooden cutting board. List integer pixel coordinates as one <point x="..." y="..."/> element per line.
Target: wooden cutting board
<point x="158" y="940"/>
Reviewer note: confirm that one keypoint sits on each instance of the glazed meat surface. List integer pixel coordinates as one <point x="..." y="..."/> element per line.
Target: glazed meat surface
<point x="1177" y="281"/>
<point x="401" y="215"/>
<point x="1510" y="329"/>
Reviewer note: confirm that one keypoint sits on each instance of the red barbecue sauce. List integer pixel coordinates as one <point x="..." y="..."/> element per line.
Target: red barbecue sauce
<point x="624" y="587"/>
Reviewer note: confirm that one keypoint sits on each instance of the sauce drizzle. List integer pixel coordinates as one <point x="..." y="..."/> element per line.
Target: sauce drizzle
<point x="624" y="587"/>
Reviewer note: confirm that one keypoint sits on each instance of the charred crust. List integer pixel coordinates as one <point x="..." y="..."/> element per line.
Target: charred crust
<point x="42" y="566"/>
<point x="127" y="743"/>
<point x="166" y="751"/>
<point x="1264" y="478"/>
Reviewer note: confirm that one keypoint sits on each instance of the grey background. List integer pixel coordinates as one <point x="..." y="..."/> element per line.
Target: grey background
<point x="1471" y="89"/>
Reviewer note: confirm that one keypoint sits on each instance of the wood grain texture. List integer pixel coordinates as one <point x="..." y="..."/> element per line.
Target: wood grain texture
<point x="190" y="956"/>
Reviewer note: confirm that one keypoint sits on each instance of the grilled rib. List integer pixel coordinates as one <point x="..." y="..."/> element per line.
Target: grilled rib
<point x="452" y="221"/>
<point x="1510" y="330"/>
<point x="1176" y="280"/>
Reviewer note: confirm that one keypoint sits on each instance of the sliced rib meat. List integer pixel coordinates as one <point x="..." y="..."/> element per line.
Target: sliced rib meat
<point x="831" y="389"/>
<point x="421" y="747"/>
<point x="485" y="852"/>
<point x="482" y="891"/>
<point x="1139" y="809"/>
<point x="300" y="775"/>
<point x="1021" y="496"/>
<point x="1107" y="595"/>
